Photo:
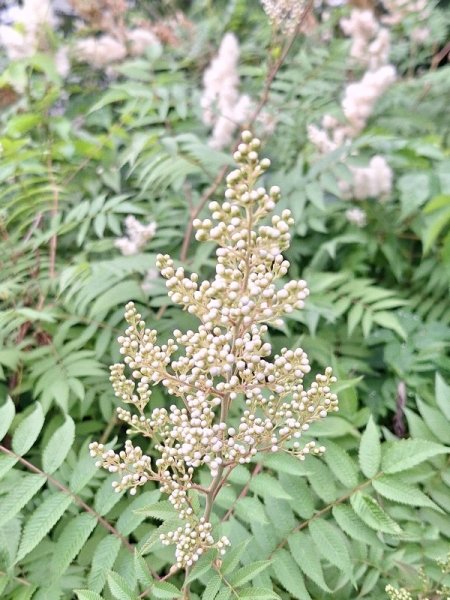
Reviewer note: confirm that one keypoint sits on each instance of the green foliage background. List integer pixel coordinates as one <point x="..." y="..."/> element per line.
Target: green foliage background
<point x="78" y="156"/>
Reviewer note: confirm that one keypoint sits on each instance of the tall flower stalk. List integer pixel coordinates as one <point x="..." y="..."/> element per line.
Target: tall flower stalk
<point x="234" y="399"/>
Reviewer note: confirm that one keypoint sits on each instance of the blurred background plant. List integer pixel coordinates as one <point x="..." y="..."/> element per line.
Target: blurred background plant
<point x="117" y="121"/>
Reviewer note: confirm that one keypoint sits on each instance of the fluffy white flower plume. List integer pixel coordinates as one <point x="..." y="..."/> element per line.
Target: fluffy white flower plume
<point x="223" y="107"/>
<point x="373" y="181"/>
<point x="369" y="48"/>
<point x="360" y="97"/>
<point x="284" y="14"/>
<point x="400" y="9"/>
<point x="139" y="40"/>
<point x="100" y="51"/>
<point x="137" y="236"/>
<point x="370" y="42"/>
<point x="27" y="34"/>
<point x="356" y="216"/>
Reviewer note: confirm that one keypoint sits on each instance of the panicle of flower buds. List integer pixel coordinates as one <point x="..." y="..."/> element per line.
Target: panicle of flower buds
<point x="226" y="361"/>
<point x="222" y="105"/>
<point x="397" y="594"/>
<point x="285" y="14"/>
<point x="137" y="236"/>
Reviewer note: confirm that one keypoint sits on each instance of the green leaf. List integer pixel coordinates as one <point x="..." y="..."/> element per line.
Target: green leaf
<point x="70" y="542"/>
<point x="370" y="450"/>
<point x="256" y="593"/>
<point x="7" y="412"/>
<point x="442" y="396"/>
<point x="264" y="484"/>
<point x="247" y="573"/>
<point x="88" y="595"/>
<point x="305" y="555"/>
<point x="22" y="492"/>
<point x="354" y="317"/>
<point x="163" y="589"/>
<point x="28" y="430"/>
<point x="389" y="321"/>
<point x="343" y="467"/>
<point x="58" y="446"/>
<point x="142" y="570"/>
<point x="102" y="562"/>
<point x="233" y="556"/>
<point x="433" y="418"/>
<point x="369" y="511"/>
<point x="352" y="525"/>
<point x="41" y="521"/>
<point x="213" y="586"/>
<point x="402" y="455"/>
<point x="331" y="544"/>
<point x="160" y="511"/>
<point x="289" y="575"/>
<point x="120" y="588"/>
<point x="203" y="565"/>
<point x="393" y="488"/>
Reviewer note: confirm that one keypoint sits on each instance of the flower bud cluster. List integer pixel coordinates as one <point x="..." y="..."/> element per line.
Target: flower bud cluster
<point x="186" y="538"/>
<point x="134" y="466"/>
<point x="137" y="235"/>
<point x="285" y="14"/>
<point x="226" y="363"/>
<point x="397" y="594"/>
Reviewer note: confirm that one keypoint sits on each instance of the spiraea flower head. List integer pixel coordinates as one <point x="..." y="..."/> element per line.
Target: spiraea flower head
<point x="226" y="363"/>
<point x="285" y="14"/>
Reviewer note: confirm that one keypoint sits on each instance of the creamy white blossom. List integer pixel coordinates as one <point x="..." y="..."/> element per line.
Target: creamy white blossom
<point x="27" y="34"/>
<point x="356" y="216"/>
<point x="285" y="14"/>
<point x="373" y="181"/>
<point x="100" y="51"/>
<point x="224" y="108"/>
<point x="370" y="43"/>
<point x="137" y="236"/>
<point x="139" y="40"/>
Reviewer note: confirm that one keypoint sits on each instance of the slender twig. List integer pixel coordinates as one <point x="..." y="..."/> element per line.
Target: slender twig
<point x="323" y="511"/>
<point x="54" y="238"/>
<point x="101" y="520"/>
<point x="243" y="493"/>
<point x="109" y="427"/>
<point x="439" y="57"/>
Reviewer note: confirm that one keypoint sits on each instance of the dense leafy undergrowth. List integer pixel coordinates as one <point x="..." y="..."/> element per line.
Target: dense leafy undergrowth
<point x="87" y="144"/>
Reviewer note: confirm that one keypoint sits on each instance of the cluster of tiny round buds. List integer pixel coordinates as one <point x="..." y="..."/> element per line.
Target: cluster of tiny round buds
<point x="226" y="361"/>
<point x="192" y="541"/>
